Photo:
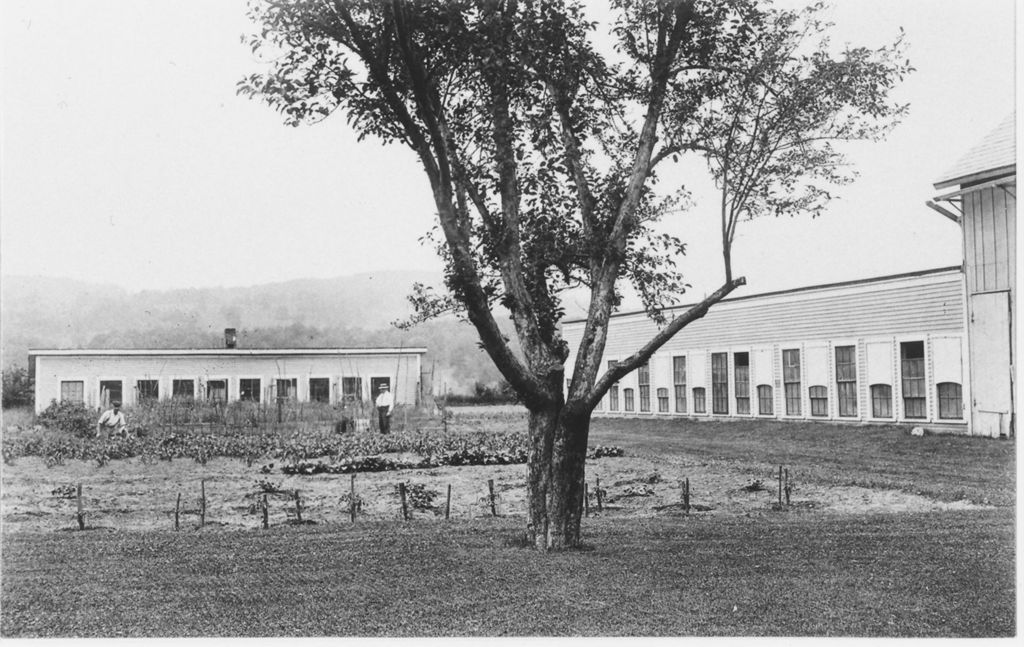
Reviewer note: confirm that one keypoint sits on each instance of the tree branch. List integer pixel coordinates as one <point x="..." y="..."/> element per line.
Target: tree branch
<point x="634" y="361"/>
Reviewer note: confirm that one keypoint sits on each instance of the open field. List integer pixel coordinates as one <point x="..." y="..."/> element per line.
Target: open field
<point x="888" y="535"/>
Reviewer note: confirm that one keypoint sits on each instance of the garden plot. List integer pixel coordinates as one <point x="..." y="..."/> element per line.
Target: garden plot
<point x="138" y="494"/>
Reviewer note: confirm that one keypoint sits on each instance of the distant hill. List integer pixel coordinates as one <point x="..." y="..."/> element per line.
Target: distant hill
<point x="355" y="310"/>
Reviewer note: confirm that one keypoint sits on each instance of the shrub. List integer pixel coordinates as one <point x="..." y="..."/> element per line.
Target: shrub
<point x="70" y="417"/>
<point x="18" y="389"/>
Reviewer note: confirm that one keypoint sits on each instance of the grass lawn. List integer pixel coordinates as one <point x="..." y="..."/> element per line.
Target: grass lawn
<point x="945" y="574"/>
<point x="947" y="468"/>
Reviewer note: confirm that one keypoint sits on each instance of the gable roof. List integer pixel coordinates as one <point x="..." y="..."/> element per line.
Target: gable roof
<point x="993" y="156"/>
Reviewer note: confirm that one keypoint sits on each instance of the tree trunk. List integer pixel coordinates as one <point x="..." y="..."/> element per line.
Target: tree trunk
<point x="558" y="455"/>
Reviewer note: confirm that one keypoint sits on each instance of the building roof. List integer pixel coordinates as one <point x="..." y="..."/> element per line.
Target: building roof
<point x="795" y="291"/>
<point x="228" y="352"/>
<point x="993" y="156"/>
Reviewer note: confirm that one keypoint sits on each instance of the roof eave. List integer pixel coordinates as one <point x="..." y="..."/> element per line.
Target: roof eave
<point x="980" y="176"/>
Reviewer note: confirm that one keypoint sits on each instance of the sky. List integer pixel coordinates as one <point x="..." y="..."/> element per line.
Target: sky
<point x="128" y="159"/>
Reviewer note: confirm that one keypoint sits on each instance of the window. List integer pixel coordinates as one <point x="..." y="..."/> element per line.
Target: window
<point x="679" y="380"/>
<point x="72" y="391"/>
<point x="110" y="390"/>
<point x="627" y="398"/>
<point x="881" y="401"/>
<point x="950" y="401"/>
<point x="699" y="405"/>
<point x="287" y="388"/>
<point x="352" y="389"/>
<point x="819" y="400"/>
<point x="662" y="400"/>
<point x="319" y="389"/>
<point x="643" y="378"/>
<point x="719" y="383"/>
<point x="147" y="390"/>
<point x="183" y="389"/>
<point x="249" y="389"/>
<point x="613" y="391"/>
<point x="375" y="383"/>
<point x="846" y="380"/>
<point x="217" y="390"/>
<point x="764" y="400"/>
<point x="741" y="363"/>
<point x="912" y="360"/>
<point x="791" y="380"/>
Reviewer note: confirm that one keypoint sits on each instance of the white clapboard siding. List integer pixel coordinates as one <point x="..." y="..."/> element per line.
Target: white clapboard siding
<point x="880" y="362"/>
<point x="946" y="360"/>
<point x="816" y="361"/>
<point x="696" y="370"/>
<point x="930" y="302"/>
<point x="763" y="373"/>
<point x="661" y="373"/>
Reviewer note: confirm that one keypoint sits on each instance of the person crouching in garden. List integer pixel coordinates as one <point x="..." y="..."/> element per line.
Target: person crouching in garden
<point x="113" y="421"/>
<point x="385" y="402"/>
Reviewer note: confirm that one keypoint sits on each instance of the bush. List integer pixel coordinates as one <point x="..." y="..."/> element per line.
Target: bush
<point x="69" y="417"/>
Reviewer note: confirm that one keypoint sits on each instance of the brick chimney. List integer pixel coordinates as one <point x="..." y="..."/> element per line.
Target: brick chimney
<point x="230" y="338"/>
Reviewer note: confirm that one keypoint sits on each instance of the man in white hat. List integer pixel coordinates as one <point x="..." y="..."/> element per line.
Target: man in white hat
<point x="385" y="402"/>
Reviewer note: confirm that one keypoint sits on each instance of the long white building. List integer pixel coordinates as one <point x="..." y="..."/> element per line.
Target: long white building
<point x="883" y="350"/>
<point x="331" y="375"/>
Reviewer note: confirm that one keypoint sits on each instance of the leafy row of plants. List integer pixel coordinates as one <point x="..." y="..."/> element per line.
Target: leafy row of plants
<point x="454" y="459"/>
<point x="57" y="447"/>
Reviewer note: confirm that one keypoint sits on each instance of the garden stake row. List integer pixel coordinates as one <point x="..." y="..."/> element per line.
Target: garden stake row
<point x="448" y="503"/>
<point x="405" y="508"/>
<point x="80" y="515"/>
<point x="686" y="495"/>
<point x="298" y="507"/>
<point x="490" y="489"/>
<point x="202" y="503"/>
<point x="266" y="513"/>
<point x="177" y="513"/>
<point x="586" y="500"/>
<point x="597" y="489"/>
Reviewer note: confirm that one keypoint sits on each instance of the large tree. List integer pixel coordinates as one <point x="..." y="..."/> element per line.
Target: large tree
<point x="541" y="152"/>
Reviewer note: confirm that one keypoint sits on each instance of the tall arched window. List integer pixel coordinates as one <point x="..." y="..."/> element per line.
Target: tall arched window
<point x="699" y="400"/>
<point x="881" y="401"/>
<point x="764" y="400"/>
<point x="951" y="406"/>
<point x="819" y="400"/>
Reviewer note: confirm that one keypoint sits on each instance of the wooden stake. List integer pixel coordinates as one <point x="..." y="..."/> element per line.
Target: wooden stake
<point x="490" y="488"/>
<point x="787" y="487"/>
<point x="266" y="513"/>
<point x="298" y="507"/>
<point x="177" y="512"/>
<point x="586" y="500"/>
<point x="686" y="495"/>
<point x="202" y="503"/>
<point x="352" y="499"/>
<point x="448" y="503"/>
<point x="80" y="515"/>
<point x="780" y="486"/>
<point x="597" y="488"/>
<point x="405" y="508"/>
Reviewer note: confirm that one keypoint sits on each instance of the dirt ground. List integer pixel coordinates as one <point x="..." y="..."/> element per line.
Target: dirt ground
<point x="130" y="494"/>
